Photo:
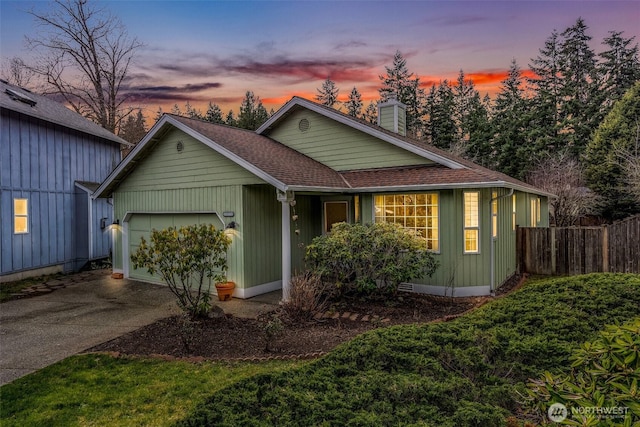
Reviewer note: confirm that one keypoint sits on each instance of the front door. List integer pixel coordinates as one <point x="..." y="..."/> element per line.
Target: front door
<point x="335" y="212"/>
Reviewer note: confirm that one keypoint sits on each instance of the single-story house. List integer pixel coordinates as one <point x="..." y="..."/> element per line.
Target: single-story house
<point x="51" y="161"/>
<point x="306" y="168"/>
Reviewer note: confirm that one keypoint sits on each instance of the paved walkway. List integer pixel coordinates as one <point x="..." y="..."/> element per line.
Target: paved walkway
<point x="84" y="311"/>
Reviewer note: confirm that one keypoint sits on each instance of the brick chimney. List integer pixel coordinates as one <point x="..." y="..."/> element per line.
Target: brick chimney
<point x="392" y="115"/>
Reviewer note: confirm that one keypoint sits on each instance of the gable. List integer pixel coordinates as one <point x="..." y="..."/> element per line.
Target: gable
<point x="195" y="166"/>
<point x="339" y="146"/>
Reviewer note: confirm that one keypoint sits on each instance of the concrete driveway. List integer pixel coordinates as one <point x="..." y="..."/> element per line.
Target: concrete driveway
<point x="37" y="332"/>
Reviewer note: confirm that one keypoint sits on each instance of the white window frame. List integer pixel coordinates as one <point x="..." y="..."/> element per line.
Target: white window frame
<point x="435" y="219"/>
<point x="468" y="226"/>
<point x="24" y="215"/>
<point x="535" y="212"/>
<point x="513" y="212"/>
<point x="494" y="214"/>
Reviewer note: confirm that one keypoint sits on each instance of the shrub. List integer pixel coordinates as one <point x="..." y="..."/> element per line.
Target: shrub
<point x="307" y="296"/>
<point x="605" y="374"/>
<point x="466" y="372"/>
<point x="188" y="259"/>
<point x="368" y="258"/>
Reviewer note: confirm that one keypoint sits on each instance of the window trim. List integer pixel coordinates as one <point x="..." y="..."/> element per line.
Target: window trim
<point x="513" y="211"/>
<point x="470" y="228"/>
<point x="535" y="212"/>
<point x="437" y="229"/>
<point x="494" y="214"/>
<point x="17" y="215"/>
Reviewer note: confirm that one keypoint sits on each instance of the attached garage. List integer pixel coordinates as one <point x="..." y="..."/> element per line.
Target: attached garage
<point x="141" y="224"/>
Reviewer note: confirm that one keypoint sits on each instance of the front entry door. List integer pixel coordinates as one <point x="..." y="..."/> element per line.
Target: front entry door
<point x="335" y="212"/>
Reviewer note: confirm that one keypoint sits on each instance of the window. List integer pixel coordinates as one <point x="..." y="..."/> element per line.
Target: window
<point x="494" y="214"/>
<point x="20" y="216"/>
<point x="418" y="212"/>
<point x="471" y="222"/>
<point x="356" y="207"/>
<point x="513" y="212"/>
<point x="535" y="212"/>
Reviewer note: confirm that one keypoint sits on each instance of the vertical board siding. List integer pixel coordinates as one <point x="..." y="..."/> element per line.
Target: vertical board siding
<point x="41" y="161"/>
<point x="262" y="235"/>
<point x="580" y="250"/>
<point x="339" y="146"/>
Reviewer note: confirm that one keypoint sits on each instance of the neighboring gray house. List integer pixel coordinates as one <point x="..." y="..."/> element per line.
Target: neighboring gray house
<point x="51" y="160"/>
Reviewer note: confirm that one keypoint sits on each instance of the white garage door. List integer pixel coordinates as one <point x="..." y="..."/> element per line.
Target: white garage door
<point x="140" y="225"/>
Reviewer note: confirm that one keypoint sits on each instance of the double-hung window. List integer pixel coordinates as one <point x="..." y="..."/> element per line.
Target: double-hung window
<point x="417" y="212"/>
<point x="20" y="216"/>
<point x="471" y="222"/>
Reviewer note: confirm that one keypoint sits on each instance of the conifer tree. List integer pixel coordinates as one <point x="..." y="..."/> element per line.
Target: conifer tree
<point x="440" y="128"/>
<point x="354" y="103"/>
<point x="134" y="128"/>
<point x="398" y="81"/>
<point x="230" y="120"/>
<point x="175" y="110"/>
<point x="371" y="113"/>
<point x="620" y="67"/>
<point x="252" y="112"/>
<point x="328" y="93"/>
<point x="214" y="114"/>
<point x="191" y="112"/>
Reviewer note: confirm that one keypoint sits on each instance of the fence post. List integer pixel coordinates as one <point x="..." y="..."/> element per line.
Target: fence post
<point x="605" y="249"/>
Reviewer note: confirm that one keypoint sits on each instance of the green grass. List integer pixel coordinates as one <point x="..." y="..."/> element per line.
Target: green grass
<point x="100" y="390"/>
<point x="467" y="372"/>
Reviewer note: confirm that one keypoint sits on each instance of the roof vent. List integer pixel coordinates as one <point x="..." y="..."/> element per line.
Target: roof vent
<point x="303" y="125"/>
<point x="19" y="96"/>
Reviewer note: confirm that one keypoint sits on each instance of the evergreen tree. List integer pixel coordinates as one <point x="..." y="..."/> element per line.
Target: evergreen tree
<point x="159" y="114"/>
<point x="472" y="121"/>
<point x="402" y="84"/>
<point x="328" y="93"/>
<point x="546" y="101"/>
<point x="191" y="112"/>
<point x="371" y="113"/>
<point x="175" y="110"/>
<point x="440" y="127"/>
<point x="620" y="67"/>
<point x="617" y="133"/>
<point x="513" y="155"/>
<point x="230" y="120"/>
<point x="581" y="99"/>
<point x="214" y="114"/>
<point x="134" y="128"/>
<point x="252" y="112"/>
<point x="354" y="103"/>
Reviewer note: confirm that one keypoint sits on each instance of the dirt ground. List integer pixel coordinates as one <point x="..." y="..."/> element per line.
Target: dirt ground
<point x="277" y="335"/>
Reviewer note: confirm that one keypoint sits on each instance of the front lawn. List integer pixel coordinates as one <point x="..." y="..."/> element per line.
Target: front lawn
<point x="100" y="390"/>
<point x="467" y="372"/>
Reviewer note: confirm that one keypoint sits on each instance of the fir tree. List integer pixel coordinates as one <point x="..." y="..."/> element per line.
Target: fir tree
<point x="214" y="114"/>
<point x="371" y="113"/>
<point x="252" y="112"/>
<point x="402" y="84"/>
<point x="159" y="114"/>
<point x="230" y="120"/>
<point x="175" y="110"/>
<point x="354" y="103"/>
<point x="328" y="93"/>
<point x="134" y="128"/>
<point x="440" y="128"/>
<point x="620" y="67"/>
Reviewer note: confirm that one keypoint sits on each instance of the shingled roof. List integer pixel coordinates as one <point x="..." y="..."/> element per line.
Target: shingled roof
<point x="15" y="98"/>
<point x="288" y="169"/>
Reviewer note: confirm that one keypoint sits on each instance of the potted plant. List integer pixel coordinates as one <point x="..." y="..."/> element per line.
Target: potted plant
<point x="224" y="287"/>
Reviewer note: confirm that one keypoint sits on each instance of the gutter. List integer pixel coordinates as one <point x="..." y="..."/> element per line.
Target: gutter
<point x="492" y="290"/>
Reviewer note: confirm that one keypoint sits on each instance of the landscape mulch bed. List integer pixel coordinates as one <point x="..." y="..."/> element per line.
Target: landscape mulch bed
<point x="232" y="338"/>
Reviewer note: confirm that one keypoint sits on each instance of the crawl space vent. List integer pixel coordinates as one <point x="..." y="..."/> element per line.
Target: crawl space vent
<point x="180" y="147"/>
<point x="303" y="125"/>
<point x="406" y="287"/>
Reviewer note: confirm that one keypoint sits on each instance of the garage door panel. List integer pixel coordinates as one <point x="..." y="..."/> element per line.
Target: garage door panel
<point x="140" y="225"/>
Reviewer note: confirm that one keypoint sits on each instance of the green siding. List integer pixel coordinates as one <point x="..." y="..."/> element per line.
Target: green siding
<point x="387" y="119"/>
<point x="186" y="200"/>
<point x="262" y="235"/>
<point x="340" y="146"/>
<point x="309" y="211"/>
<point x="195" y="166"/>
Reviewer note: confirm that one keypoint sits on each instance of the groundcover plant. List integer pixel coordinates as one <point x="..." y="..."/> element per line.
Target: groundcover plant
<point x="468" y="372"/>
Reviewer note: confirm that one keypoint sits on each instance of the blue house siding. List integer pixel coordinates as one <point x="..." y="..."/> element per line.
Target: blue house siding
<point x="41" y="162"/>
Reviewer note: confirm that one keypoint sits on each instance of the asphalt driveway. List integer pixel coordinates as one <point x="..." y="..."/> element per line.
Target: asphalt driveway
<point x="36" y="332"/>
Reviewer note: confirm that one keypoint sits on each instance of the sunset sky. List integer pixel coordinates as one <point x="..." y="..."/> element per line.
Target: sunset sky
<point x="201" y="51"/>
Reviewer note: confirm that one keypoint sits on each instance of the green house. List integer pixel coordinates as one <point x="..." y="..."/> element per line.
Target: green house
<point x="309" y="167"/>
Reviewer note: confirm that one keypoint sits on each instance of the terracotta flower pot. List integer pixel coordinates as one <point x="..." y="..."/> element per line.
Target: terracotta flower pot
<point x="225" y="290"/>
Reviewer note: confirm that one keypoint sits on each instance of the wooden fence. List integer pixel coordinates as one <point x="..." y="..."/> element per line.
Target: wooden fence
<point x="580" y="250"/>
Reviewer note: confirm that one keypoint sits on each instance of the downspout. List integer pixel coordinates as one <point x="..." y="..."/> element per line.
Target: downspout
<point x="492" y="285"/>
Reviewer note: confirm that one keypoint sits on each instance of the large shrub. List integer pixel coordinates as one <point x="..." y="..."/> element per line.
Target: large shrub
<point x="367" y="258"/>
<point x="189" y="259"/>
<point x="467" y="372"/>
